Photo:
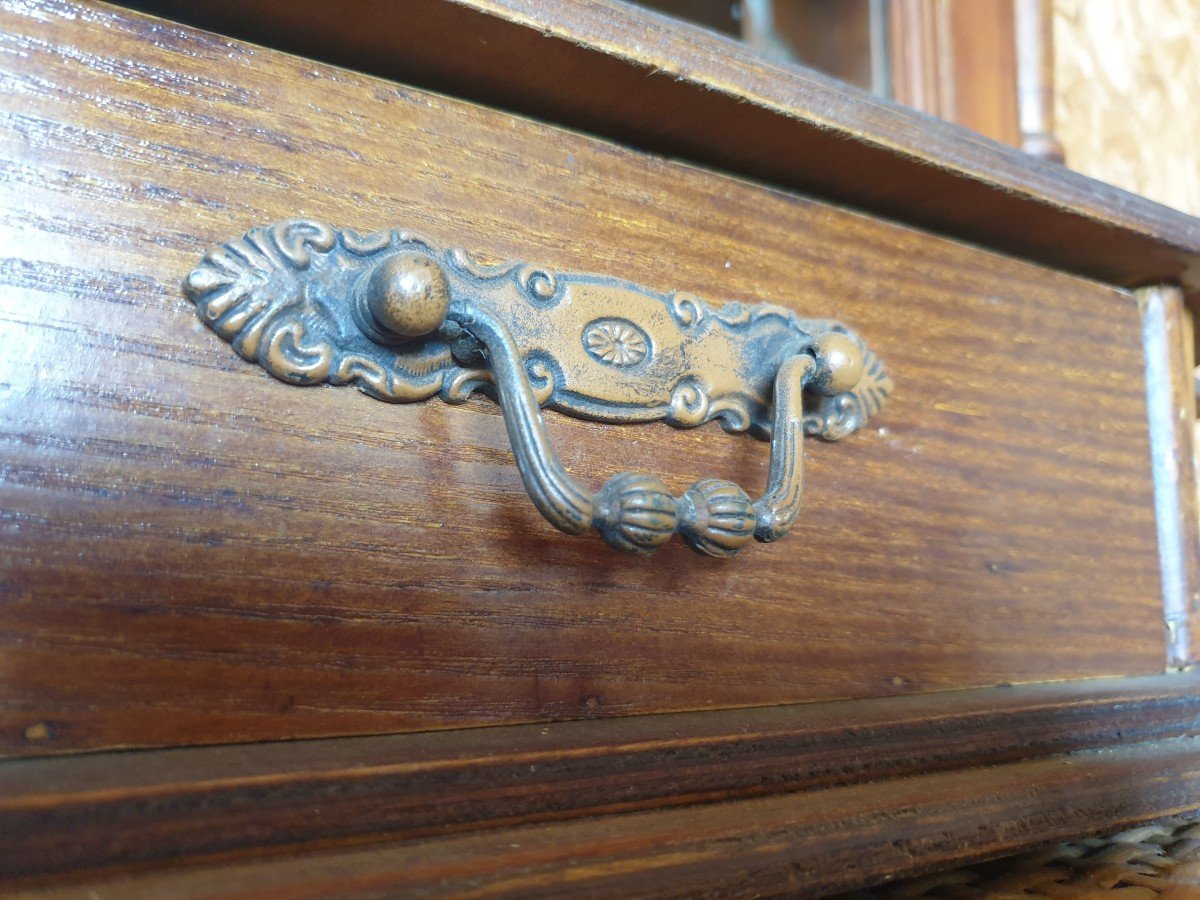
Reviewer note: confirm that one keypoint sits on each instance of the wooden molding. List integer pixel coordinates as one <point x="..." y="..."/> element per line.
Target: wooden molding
<point x="808" y="843"/>
<point x="72" y="814"/>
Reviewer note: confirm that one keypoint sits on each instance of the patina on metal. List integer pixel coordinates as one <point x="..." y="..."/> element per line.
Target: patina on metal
<point x="404" y="320"/>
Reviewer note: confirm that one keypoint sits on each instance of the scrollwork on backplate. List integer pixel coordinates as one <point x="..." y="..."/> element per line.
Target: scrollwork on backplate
<point x="283" y="297"/>
<point x="272" y="294"/>
<point x="403" y="320"/>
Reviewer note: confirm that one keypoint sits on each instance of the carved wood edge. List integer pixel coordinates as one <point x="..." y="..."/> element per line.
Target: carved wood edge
<point x="73" y="814"/>
<point x="810" y="844"/>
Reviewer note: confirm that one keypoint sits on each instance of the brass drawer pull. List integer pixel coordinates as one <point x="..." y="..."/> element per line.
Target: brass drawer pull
<point x="403" y="321"/>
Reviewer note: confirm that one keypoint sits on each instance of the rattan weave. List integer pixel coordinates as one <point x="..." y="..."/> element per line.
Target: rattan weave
<point x="1157" y="862"/>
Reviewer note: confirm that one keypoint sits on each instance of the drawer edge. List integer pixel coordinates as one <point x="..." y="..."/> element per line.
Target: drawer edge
<point x="68" y="815"/>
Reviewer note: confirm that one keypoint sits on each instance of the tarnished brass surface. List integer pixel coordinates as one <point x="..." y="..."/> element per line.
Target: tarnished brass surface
<point x="404" y="320"/>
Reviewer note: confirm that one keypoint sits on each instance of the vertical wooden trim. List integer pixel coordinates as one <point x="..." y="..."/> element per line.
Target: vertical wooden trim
<point x="1035" y="78"/>
<point x="915" y="61"/>
<point x="957" y="61"/>
<point x="1171" y="405"/>
<point x="877" y="41"/>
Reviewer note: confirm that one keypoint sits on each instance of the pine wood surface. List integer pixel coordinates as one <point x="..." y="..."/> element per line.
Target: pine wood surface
<point x="142" y="808"/>
<point x="1139" y="58"/>
<point x="196" y="553"/>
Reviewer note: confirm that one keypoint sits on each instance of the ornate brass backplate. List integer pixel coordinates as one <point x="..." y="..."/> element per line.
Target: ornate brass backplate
<point x="404" y="320"/>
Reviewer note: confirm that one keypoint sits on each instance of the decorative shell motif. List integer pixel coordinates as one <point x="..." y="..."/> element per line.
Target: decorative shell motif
<point x="616" y="342"/>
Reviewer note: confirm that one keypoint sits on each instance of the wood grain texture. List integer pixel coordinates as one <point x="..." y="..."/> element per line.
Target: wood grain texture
<point x="621" y="72"/>
<point x="140" y="808"/>
<point x="957" y="61"/>
<point x="808" y="844"/>
<point x="195" y="553"/>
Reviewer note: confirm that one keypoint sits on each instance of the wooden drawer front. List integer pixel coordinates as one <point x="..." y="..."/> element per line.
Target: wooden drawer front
<point x="194" y="552"/>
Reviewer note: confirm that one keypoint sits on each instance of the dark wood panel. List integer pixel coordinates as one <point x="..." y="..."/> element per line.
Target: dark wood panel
<point x="664" y="85"/>
<point x="196" y="553"/>
<point x="66" y="814"/>
<point x="807" y="844"/>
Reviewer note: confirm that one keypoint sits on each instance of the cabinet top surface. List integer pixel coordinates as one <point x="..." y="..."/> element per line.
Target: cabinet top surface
<point x="644" y="79"/>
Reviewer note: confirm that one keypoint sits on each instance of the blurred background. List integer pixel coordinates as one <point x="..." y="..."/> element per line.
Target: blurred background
<point x="1109" y="88"/>
<point x="1109" y="85"/>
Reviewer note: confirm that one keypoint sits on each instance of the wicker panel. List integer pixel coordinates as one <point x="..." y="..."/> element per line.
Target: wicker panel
<point x="1156" y="861"/>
